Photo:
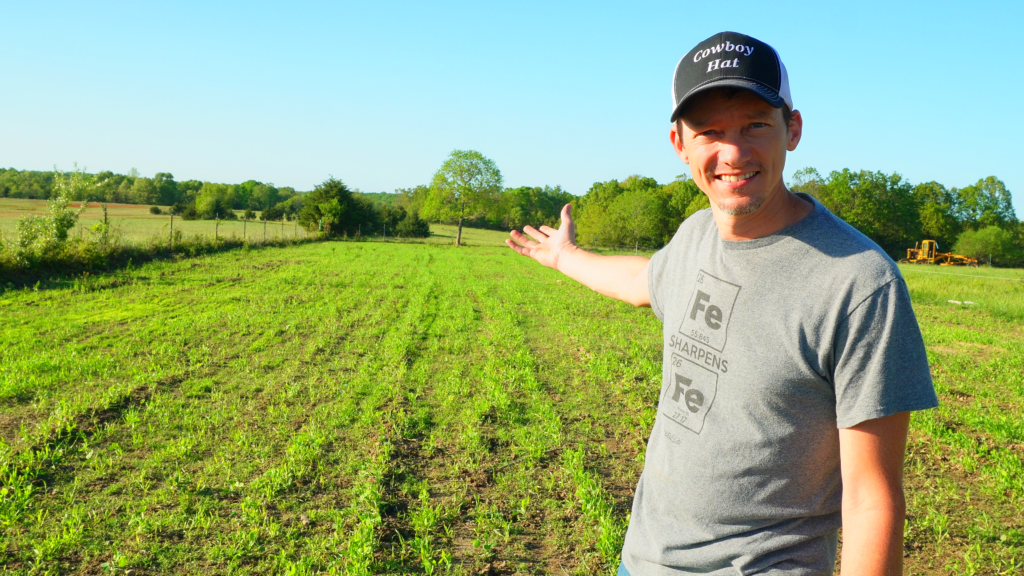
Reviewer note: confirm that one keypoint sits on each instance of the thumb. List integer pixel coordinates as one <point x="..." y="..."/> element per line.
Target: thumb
<point x="567" y="214"/>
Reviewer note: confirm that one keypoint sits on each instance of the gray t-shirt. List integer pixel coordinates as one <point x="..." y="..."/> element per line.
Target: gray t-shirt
<point x="770" y="346"/>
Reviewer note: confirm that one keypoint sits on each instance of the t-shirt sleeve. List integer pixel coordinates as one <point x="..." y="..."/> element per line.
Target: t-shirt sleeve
<point x="880" y="364"/>
<point x="655" y="283"/>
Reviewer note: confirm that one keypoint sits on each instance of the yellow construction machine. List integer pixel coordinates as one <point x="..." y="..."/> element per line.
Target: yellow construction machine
<point x="927" y="252"/>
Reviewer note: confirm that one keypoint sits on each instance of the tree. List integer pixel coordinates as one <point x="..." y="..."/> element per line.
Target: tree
<point x="938" y="208"/>
<point x="412" y="226"/>
<point x="330" y="214"/>
<point x="465" y="186"/>
<point x="216" y="201"/>
<point x="678" y="196"/>
<point x="986" y="203"/>
<point x="637" y="216"/>
<point x="273" y="214"/>
<point x="699" y="202"/>
<point x="165" y="187"/>
<point x="989" y="241"/>
<point x="881" y="206"/>
<point x="352" y="215"/>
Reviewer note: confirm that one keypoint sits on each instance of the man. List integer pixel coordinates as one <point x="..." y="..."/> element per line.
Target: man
<point x="792" y="357"/>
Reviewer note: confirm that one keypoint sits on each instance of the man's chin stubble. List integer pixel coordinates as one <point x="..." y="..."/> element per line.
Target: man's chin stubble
<point x="749" y="208"/>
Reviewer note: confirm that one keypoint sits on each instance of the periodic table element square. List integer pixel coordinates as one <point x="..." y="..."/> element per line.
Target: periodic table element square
<point x="690" y="394"/>
<point x="707" y="315"/>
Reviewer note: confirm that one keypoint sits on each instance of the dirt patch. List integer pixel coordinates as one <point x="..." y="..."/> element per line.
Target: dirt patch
<point x="981" y="352"/>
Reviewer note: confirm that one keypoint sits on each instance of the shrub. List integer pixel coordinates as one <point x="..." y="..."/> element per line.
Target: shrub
<point x="412" y="226"/>
<point x="989" y="241"/>
<point x="274" y="213"/>
<point x="155" y="210"/>
<point x="42" y="237"/>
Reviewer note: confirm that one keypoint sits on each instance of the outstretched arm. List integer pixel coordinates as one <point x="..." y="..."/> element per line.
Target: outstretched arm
<point x="620" y="277"/>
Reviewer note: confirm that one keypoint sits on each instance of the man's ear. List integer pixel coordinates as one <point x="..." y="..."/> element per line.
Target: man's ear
<point x="677" y="142"/>
<point x="796" y="130"/>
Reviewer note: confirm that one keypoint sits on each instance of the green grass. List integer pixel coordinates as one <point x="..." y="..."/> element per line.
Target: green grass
<point x="381" y="407"/>
<point x="996" y="291"/>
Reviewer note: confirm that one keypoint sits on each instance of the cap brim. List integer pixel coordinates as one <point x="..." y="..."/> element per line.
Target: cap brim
<point x="767" y="94"/>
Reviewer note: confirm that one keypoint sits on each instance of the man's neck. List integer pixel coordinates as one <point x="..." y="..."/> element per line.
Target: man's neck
<point x="780" y="210"/>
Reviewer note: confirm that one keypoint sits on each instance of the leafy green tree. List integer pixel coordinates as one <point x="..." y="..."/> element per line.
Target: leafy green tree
<point x="272" y="214"/>
<point x="699" y="202"/>
<point x="985" y="203"/>
<point x="464" y="187"/>
<point x="678" y="196"/>
<point x="144" y="192"/>
<point x="517" y="207"/>
<point x="389" y="217"/>
<point x="357" y="215"/>
<point x="881" y="206"/>
<point x="808" y="181"/>
<point x="637" y="217"/>
<point x="938" y="209"/>
<point x="216" y="201"/>
<point x="166" y="188"/>
<point x="331" y="212"/>
<point x="989" y="241"/>
<point x="413" y="198"/>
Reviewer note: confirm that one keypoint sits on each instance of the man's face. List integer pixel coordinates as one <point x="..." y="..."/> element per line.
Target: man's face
<point x="736" y="144"/>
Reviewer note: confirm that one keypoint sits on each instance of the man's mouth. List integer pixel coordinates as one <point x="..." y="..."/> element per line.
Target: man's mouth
<point x="735" y="177"/>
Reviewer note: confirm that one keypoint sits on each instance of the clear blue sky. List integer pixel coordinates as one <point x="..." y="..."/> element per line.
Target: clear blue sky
<point x="378" y="93"/>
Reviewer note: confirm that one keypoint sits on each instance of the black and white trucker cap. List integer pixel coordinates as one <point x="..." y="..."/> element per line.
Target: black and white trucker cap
<point x="730" y="59"/>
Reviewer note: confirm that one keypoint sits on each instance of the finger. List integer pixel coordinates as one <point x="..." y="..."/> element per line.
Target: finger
<point x="520" y="249"/>
<point x="567" y="214"/>
<point x="516" y="247"/>
<point x="523" y="239"/>
<point x="535" y="234"/>
<point x="548" y="230"/>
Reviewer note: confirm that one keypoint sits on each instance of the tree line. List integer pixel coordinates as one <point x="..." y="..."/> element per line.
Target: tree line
<point x="192" y="199"/>
<point x="976" y="220"/>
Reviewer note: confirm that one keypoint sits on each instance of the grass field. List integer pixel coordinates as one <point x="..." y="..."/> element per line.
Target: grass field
<point x="357" y="408"/>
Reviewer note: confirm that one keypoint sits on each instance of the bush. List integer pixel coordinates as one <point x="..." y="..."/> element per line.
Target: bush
<point x="989" y="241"/>
<point x="155" y="210"/>
<point x="249" y="214"/>
<point x="190" y="213"/>
<point x="412" y="226"/>
<point x="274" y="213"/>
<point x="43" y="237"/>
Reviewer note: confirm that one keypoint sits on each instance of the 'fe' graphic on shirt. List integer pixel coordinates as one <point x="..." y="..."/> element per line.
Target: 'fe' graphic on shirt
<point x="708" y="313"/>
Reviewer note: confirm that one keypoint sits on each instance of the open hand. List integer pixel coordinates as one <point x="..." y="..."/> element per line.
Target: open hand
<point x="547" y="244"/>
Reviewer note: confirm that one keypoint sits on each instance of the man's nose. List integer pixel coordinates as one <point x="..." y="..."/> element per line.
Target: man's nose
<point x="733" y="151"/>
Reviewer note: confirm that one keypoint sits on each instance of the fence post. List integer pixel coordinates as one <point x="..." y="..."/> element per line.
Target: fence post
<point x="295" y="234"/>
<point x="216" y="227"/>
<point x="264" y="231"/>
<point x="245" y="222"/>
<point x="172" y="230"/>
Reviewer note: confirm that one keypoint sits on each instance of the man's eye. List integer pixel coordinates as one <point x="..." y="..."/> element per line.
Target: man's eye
<point x="708" y="133"/>
<point x="759" y="125"/>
